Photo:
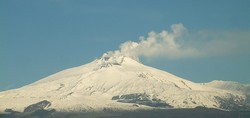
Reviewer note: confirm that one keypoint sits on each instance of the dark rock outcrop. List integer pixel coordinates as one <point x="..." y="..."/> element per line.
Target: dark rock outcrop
<point x="37" y="110"/>
<point x="37" y="106"/>
<point x="141" y="99"/>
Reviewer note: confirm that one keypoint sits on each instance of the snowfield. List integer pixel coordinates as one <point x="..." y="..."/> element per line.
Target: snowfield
<point x="121" y="83"/>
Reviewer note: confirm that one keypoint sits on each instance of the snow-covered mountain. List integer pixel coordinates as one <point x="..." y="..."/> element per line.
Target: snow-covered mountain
<point x="122" y="83"/>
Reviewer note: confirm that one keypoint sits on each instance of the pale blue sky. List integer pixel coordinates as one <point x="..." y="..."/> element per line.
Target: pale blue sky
<point x="41" y="37"/>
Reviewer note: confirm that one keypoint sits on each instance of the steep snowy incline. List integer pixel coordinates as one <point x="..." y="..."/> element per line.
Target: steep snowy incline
<point x="112" y="81"/>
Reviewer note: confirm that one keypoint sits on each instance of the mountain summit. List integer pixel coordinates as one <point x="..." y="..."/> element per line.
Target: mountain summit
<point x="119" y="83"/>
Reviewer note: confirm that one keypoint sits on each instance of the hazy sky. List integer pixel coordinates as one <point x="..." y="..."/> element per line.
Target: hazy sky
<point x="199" y="40"/>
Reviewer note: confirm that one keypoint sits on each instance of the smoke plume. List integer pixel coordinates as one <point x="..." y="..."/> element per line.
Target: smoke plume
<point x="180" y="43"/>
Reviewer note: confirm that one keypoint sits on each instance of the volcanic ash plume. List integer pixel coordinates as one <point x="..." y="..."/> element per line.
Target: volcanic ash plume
<point x="180" y="43"/>
<point x="163" y="44"/>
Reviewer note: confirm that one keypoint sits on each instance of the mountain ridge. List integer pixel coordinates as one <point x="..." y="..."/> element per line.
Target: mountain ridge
<point x="93" y="86"/>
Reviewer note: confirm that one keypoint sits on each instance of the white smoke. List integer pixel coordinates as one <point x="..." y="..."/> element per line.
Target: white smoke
<point x="179" y="43"/>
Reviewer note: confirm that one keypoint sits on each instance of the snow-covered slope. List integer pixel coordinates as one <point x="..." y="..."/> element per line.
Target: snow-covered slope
<point x="119" y="83"/>
<point x="231" y="86"/>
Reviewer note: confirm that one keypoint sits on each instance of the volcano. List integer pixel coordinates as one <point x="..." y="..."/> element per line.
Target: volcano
<point x="122" y="83"/>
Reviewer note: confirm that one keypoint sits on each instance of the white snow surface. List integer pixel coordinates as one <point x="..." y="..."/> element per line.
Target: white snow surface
<point x="91" y="87"/>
